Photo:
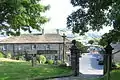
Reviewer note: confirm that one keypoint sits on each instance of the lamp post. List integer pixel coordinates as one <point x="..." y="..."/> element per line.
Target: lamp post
<point x="63" y="47"/>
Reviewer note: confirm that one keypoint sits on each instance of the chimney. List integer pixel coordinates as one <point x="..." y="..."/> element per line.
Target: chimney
<point x="57" y="30"/>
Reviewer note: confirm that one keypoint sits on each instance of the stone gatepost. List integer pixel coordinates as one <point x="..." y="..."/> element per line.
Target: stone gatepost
<point x="75" y="58"/>
<point x="108" y="59"/>
<point x="34" y="60"/>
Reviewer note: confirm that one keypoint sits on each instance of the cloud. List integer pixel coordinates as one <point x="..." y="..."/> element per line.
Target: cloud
<point x="58" y="13"/>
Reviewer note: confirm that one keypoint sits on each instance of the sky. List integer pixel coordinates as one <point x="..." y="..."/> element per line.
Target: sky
<point x="58" y="13"/>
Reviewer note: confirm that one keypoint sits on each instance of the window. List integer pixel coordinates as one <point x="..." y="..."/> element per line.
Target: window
<point x="48" y="47"/>
<point x="19" y="47"/>
<point x="4" y="48"/>
<point x="34" y="46"/>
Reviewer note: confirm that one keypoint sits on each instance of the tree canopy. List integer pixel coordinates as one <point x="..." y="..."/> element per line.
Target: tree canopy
<point x="91" y="42"/>
<point x="102" y="42"/>
<point x="114" y="36"/>
<point x="17" y="15"/>
<point x="94" y="15"/>
<point x="81" y="47"/>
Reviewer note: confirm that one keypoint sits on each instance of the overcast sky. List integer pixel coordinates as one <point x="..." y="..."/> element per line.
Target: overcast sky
<point x="58" y="13"/>
<point x="59" y="10"/>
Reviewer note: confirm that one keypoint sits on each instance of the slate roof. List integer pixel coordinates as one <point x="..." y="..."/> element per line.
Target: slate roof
<point x="32" y="38"/>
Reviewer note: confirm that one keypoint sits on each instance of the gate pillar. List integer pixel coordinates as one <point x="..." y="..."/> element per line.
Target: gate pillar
<point x="108" y="58"/>
<point x="75" y="58"/>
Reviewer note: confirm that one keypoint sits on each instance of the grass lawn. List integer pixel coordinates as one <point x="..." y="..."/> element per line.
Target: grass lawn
<point x="24" y="71"/>
<point x="115" y="75"/>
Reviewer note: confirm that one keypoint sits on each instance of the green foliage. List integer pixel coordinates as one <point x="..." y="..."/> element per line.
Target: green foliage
<point x="1" y="55"/>
<point x="91" y="42"/>
<point x="114" y="75"/>
<point x="102" y="42"/>
<point x="24" y="71"/>
<point x="63" y="65"/>
<point x="81" y="47"/>
<point x="112" y="35"/>
<point x="95" y="13"/>
<point x="42" y="59"/>
<point x="59" y="62"/>
<point x="96" y="40"/>
<point x="16" y="15"/>
<point x="21" y="58"/>
<point x="50" y="61"/>
<point x="9" y="55"/>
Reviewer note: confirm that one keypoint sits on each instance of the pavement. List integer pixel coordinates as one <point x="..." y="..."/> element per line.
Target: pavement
<point x="88" y="68"/>
<point x="88" y="65"/>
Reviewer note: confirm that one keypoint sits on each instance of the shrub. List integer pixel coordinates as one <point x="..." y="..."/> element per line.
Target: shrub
<point x="16" y="57"/>
<point x="42" y="59"/>
<point x="46" y="62"/>
<point x="20" y="58"/>
<point x="1" y="55"/>
<point x="9" y="55"/>
<point x="59" y="62"/>
<point x="63" y="65"/>
<point x="50" y="61"/>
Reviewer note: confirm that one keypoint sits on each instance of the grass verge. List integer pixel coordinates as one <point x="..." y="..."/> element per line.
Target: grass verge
<point x="24" y="71"/>
<point x="115" y="75"/>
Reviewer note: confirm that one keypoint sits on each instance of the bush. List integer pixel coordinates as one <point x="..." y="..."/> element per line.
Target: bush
<point x="46" y="62"/>
<point x="1" y="55"/>
<point x="9" y="55"/>
<point x="42" y="59"/>
<point x="50" y="61"/>
<point x="63" y="65"/>
<point x="19" y="58"/>
<point x="22" y="58"/>
<point x="59" y="62"/>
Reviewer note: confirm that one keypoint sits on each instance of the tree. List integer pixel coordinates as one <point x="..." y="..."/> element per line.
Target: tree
<point x="91" y="42"/>
<point x="81" y="47"/>
<point x="94" y="15"/>
<point x="96" y="40"/>
<point x="17" y="15"/>
<point x="102" y="42"/>
<point x="112" y="35"/>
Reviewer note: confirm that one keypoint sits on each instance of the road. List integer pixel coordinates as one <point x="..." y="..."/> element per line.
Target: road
<point x="88" y="65"/>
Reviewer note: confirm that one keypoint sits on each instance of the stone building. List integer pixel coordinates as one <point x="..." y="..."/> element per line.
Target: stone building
<point x="46" y="44"/>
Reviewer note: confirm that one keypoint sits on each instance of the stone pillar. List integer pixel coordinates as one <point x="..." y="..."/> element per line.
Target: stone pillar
<point x="105" y="63"/>
<point x="75" y="58"/>
<point x="64" y="36"/>
<point x="33" y="59"/>
<point x="108" y="59"/>
<point x="55" y="59"/>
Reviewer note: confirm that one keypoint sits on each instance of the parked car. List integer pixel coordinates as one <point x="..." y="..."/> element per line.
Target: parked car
<point x="100" y="59"/>
<point x="100" y="63"/>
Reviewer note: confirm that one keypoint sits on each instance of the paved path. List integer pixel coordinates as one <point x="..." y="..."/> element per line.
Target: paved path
<point x="88" y="67"/>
